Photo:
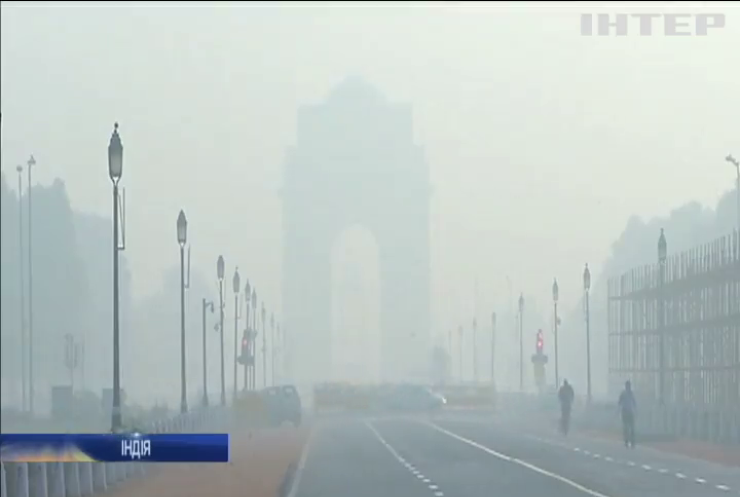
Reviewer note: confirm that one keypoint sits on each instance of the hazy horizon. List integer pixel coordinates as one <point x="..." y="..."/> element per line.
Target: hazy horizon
<point x="541" y="143"/>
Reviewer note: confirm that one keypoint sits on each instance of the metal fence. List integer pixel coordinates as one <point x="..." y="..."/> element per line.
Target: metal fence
<point x="674" y="329"/>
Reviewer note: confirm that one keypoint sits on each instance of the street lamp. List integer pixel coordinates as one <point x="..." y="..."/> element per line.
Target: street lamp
<point x="248" y="333"/>
<point x="220" y="273"/>
<point x="236" y="287"/>
<point x="493" y="347"/>
<point x="115" y="171"/>
<point x="264" y="347"/>
<point x="207" y="304"/>
<point x="24" y="356"/>
<point x="460" y="350"/>
<point x="521" y="342"/>
<point x="586" y="292"/>
<point x="475" y="351"/>
<point x="253" y="379"/>
<point x="182" y="238"/>
<point x="280" y="336"/>
<point x="735" y="163"/>
<point x="272" y="346"/>
<point x="662" y="257"/>
<point x="30" y="164"/>
<point x="555" y="296"/>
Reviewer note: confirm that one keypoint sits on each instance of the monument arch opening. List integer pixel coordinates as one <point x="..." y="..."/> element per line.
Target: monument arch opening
<point x="355" y="304"/>
<point x="355" y="163"/>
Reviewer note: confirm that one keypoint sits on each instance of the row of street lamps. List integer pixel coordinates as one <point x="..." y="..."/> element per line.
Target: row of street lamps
<point x="555" y="298"/>
<point x="115" y="171"/>
<point x="662" y="258"/>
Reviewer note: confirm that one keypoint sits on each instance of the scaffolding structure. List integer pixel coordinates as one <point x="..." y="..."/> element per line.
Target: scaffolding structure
<point x="689" y="303"/>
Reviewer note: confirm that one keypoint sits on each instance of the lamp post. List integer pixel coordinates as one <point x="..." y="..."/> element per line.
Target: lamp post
<point x="555" y="296"/>
<point x="207" y="304"/>
<point x="264" y="346"/>
<point x="460" y="351"/>
<point x="115" y="171"/>
<point x="253" y="345"/>
<point x="220" y="272"/>
<point x="662" y="256"/>
<point x="21" y="277"/>
<point x="735" y="163"/>
<point x="475" y="351"/>
<point x="521" y="342"/>
<point x="30" y="163"/>
<point x="182" y="238"/>
<point x="248" y="334"/>
<point x="450" y="352"/>
<point x="236" y="285"/>
<point x="281" y="341"/>
<point x="586" y="294"/>
<point x="493" y="348"/>
<point x="272" y="346"/>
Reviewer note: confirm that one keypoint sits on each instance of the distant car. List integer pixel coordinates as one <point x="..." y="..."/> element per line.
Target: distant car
<point x="414" y="398"/>
<point x="283" y="405"/>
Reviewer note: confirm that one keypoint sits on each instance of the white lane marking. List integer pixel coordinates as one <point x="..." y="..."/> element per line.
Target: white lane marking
<point x="646" y="467"/>
<point x="301" y="465"/>
<point x="532" y="467"/>
<point x="400" y="459"/>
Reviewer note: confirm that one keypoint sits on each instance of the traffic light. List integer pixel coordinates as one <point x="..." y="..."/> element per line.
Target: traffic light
<point x="245" y="351"/>
<point x="540" y="342"/>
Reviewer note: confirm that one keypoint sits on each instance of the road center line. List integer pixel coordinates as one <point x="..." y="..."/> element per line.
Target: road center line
<point x="532" y="467"/>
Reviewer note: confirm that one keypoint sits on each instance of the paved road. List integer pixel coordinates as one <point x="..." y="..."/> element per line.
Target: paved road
<point x="466" y="456"/>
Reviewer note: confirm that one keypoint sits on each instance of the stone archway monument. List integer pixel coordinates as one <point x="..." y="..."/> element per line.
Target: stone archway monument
<point x="355" y="162"/>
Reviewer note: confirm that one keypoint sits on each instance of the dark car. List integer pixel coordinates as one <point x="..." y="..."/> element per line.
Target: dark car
<point x="414" y="398"/>
<point x="283" y="405"/>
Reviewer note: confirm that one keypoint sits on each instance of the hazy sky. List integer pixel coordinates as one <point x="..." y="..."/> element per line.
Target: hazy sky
<point x="541" y="142"/>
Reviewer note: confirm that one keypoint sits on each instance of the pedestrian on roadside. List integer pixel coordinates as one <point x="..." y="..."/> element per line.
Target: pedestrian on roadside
<point x="628" y="406"/>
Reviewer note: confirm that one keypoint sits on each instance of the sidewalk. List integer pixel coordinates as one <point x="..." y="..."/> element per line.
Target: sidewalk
<point x="258" y="464"/>
<point x="720" y="454"/>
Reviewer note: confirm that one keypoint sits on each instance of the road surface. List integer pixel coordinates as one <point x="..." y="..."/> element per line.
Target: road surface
<point x="471" y="456"/>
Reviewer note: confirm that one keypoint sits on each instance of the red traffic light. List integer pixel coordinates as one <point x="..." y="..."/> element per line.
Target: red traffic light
<point x="540" y="341"/>
<point x="245" y="343"/>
